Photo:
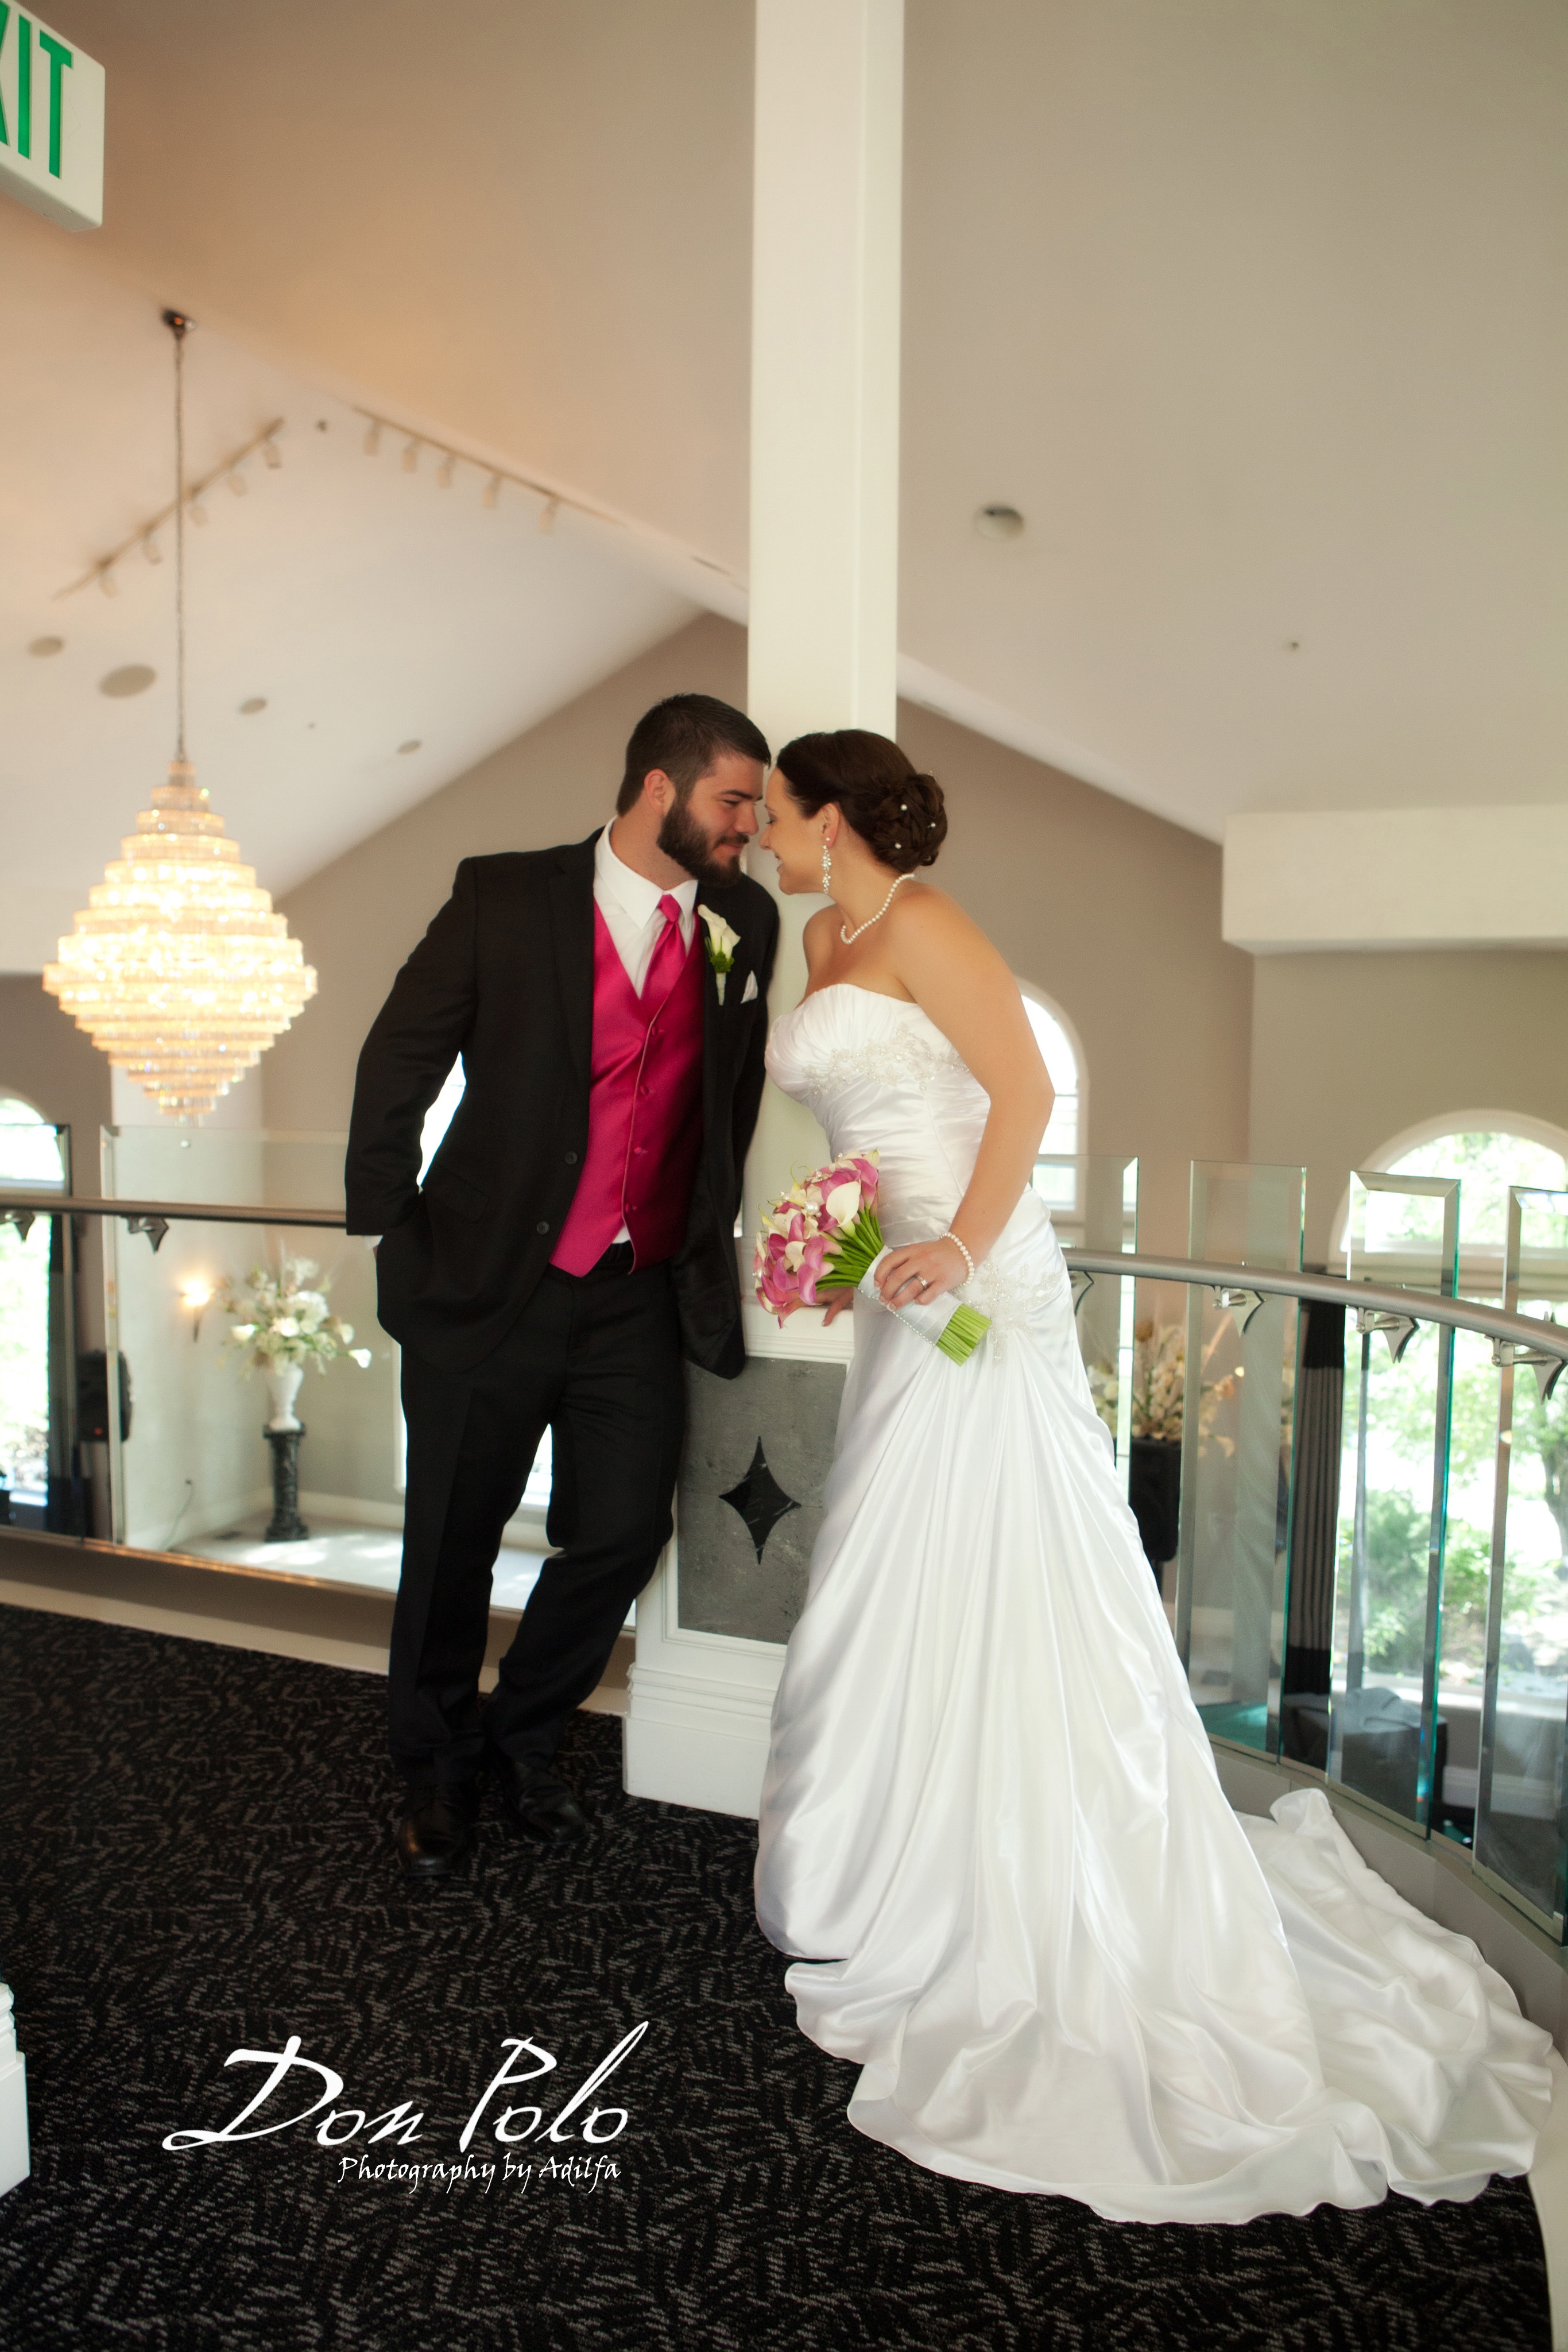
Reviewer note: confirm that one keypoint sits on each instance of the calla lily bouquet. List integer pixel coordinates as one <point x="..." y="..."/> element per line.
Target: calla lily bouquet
<point x="824" y="1235"/>
<point x="284" y="1319"/>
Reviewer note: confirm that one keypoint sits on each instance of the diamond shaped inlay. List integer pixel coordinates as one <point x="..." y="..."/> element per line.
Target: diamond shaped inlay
<point x="760" y="1500"/>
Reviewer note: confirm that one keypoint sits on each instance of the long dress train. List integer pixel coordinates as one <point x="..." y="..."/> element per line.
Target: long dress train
<point x="992" y="1831"/>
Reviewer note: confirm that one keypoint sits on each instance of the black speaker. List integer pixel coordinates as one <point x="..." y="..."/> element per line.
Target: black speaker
<point x="92" y="1397"/>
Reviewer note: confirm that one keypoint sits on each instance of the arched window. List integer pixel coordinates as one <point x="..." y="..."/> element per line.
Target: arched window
<point x="29" y="1148"/>
<point x="29" y="1157"/>
<point x="1488" y="1150"/>
<point x="1487" y="1160"/>
<point x="1063" y="1060"/>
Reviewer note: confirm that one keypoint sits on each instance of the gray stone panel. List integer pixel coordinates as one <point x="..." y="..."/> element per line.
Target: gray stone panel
<point x="793" y="1408"/>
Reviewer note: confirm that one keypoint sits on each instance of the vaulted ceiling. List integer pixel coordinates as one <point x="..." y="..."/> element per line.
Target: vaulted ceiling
<point x="1253" y="307"/>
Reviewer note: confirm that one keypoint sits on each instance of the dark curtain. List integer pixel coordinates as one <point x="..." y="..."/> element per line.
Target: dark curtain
<point x="1320" y="1401"/>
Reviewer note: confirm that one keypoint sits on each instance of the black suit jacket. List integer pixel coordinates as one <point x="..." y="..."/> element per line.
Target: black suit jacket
<point x="504" y="977"/>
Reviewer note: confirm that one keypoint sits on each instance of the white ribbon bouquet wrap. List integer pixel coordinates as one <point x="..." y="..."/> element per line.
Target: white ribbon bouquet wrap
<point x="824" y="1235"/>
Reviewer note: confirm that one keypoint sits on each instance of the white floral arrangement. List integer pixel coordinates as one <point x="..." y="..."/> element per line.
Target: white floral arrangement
<point x="284" y="1319"/>
<point x="1159" y="1388"/>
<point x="1159" y="1382"/>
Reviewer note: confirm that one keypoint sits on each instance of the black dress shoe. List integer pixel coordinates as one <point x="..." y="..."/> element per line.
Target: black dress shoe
<point x="437" y="1828"/>
<point x="540" y="1802"/>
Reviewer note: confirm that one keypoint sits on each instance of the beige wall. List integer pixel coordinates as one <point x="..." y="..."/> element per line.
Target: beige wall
<point x="46" y="1059"/>
<point x="1112" y="912"/>
<point x="360" y="917"/>
<point x="1349" y="1050"/>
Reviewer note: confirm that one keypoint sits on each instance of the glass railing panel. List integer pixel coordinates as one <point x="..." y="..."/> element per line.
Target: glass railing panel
<point x="253" y="1165"/>
<point x="1239" y="1372"/>
<point x="1386" y="1738"/>
<point x="349" y="1438"/>
<point x="199" y="1473"/>
<point x="1521" y="1813"/>
<point x="1093" y="1203"/>
<point x="194" y="1473"/>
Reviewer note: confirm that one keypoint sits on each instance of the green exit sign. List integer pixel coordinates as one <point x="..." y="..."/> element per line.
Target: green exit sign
<point x="51" y="121"/>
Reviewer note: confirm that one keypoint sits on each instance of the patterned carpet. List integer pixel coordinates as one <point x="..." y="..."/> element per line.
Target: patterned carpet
<point x="198" y="1861"/>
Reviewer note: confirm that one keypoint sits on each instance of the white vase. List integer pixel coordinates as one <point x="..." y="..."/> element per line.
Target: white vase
<point x="283" y="1387"/>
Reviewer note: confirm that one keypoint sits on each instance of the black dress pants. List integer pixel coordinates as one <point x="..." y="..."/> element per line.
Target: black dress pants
<point x="596" y="1358"/>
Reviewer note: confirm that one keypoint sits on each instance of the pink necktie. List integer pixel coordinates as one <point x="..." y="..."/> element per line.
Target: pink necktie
<point x="668" y="956"/>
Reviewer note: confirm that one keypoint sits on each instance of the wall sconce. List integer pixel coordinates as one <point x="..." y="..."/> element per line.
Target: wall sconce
<point x="196" y="1296"/>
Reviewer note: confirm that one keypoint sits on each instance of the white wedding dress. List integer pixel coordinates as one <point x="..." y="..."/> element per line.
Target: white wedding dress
<point x="992" y="1831"/>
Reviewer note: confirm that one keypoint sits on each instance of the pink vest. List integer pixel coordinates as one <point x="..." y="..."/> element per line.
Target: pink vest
<point x="644" y="1113"/>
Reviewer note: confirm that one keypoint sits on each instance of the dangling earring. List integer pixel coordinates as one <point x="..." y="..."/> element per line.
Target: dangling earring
<point x="827" y="869"/>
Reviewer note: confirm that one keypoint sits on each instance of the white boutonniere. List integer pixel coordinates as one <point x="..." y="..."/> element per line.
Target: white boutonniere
<point x="722" y="942"/>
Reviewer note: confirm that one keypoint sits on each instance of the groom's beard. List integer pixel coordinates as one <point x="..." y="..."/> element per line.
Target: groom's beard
<point x="682" y="838"/>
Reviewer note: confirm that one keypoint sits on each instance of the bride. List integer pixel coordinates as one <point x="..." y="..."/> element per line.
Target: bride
<point x="992" y="1836"/>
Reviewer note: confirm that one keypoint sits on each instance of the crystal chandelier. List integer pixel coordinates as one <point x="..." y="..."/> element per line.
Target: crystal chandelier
<point x="178" y="968"/>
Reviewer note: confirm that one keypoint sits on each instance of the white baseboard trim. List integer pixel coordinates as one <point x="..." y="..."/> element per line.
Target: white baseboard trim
<point x="157" y="1534"/>
<point x="523" y="1532"/>
<point x="695" y="1740"/>
<point x="702" y="1765"/>
<point x="699" y="1708"/>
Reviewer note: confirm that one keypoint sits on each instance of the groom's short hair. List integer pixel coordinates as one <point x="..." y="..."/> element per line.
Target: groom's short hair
<point x="684" y="735"/>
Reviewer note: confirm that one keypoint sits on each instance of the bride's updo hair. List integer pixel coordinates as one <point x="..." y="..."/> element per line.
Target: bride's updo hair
<point x="896" y="810"/>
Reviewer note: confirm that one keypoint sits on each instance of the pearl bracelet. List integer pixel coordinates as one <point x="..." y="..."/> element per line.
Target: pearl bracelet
<point x="951" y="1236"/>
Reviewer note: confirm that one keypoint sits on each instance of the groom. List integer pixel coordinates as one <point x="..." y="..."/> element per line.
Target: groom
<point x="575" y="1234"/>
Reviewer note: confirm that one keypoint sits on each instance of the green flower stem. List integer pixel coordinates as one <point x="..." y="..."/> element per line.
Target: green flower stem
<point x="854" y="1248"/>
<point x="964" y="1334"/>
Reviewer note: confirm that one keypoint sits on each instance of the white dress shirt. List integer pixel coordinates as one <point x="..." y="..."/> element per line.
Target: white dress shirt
<point x="628" y="903"/>
<point x="630" y="906"/>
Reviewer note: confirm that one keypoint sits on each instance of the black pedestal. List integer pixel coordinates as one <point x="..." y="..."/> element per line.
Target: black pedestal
<point x="1153" y="1490"/>
<point x="287" y="1526"/>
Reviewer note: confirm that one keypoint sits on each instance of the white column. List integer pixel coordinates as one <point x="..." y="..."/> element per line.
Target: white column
<point x="823" y="654"/>
<point x="826" y="245"/>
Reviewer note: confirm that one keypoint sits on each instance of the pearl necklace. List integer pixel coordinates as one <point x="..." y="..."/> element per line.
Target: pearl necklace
<point x="849" y="937"/>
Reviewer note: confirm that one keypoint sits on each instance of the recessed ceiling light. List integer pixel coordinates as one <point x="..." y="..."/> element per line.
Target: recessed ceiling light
<point x="43" y="646"/>
<point x="998" y="522"/>
<point x="134" y="678"/>
<point x="411" y="745"/>
<point x="249" y="708"/>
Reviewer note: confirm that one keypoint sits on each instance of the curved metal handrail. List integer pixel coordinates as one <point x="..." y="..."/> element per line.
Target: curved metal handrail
<point x="220" y="1212"/>
<point x="1526" y="1331"/>
<point x="1421" y="1306"/>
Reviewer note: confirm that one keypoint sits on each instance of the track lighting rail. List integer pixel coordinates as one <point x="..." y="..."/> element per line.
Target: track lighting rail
<point x="266" y="440"/>
<point x="415" y="443"/>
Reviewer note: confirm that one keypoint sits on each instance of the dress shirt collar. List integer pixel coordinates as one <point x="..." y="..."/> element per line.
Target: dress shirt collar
<point x="637" y="896"/>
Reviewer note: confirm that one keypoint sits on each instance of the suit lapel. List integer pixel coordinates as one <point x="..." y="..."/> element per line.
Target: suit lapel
<point x="571" y="926"/>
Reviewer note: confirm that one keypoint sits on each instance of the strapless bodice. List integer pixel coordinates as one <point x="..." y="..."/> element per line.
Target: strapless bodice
<point x="878" y="1074"/>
